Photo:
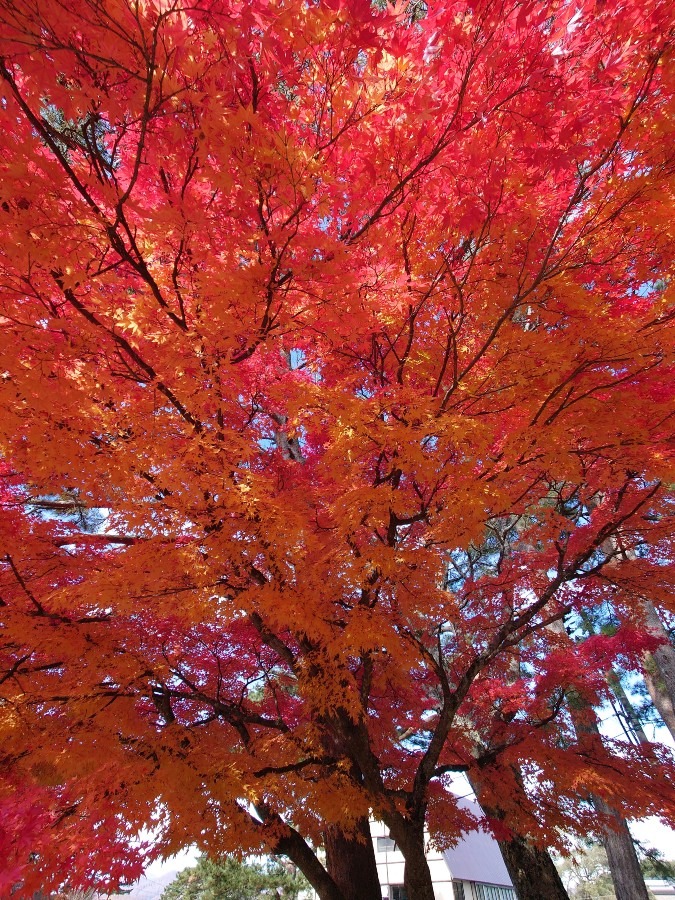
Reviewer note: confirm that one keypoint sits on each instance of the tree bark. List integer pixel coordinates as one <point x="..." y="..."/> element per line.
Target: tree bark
<point x="409" y="837"/>
<point x="406" y="830"/>
<point x="530" y="868"/>
<point x="532" y="871"/>
<point x="655" y="686"/>
<point x="659" y="672"/>
<point x="629" y="883"/>
<point x="292" y="845"/>
<point x="350" y="861"/>
<point x="416" y="874"/>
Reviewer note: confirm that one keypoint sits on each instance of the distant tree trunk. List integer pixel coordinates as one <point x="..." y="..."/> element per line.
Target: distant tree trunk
<point x="655" y="685"/>
<point x="659" y="671"/>
<point x="627" y="708"/>
<point x="629" y="883"/>
<point x="350" y="861"/>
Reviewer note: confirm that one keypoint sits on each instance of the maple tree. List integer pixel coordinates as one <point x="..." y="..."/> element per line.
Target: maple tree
<point x="334" y="371"/>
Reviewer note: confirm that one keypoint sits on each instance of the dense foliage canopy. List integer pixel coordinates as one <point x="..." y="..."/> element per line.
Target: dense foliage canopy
<point x="333" y="374"/>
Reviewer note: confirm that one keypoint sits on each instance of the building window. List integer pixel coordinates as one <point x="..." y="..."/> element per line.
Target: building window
<point x="385" y="845"/>
<point x="493" y="892"/>
<point x="458" y="890"/>
<point x="398" y="892"/>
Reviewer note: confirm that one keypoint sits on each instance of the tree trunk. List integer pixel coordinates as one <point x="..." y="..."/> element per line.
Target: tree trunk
<point x="406" y="831"/>
<point x="656" y="688"/>
<point x="409" y="838"/>
<point x="350" y="861"/>
<point x="416" y="874"/>
<point x="629" y="883"/>
<point x="294" y="847"/>
<point x="530" y="868"/>
<point x="660" y="670"/>
<point x="532" y="871"/>
<point x="627" y="708"/>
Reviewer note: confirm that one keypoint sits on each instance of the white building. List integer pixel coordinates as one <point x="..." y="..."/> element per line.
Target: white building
<point x="473" y="870"/>
<point x="660" y="888"/>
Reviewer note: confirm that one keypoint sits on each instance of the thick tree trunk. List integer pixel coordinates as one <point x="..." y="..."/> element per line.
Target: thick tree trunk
<point x="295" y="848"/>
<point x="532" y="871"/>
<point x="417" y="880"/>
<point x="416" y="875"/>
<point x="629" y="883"/>
<point x="530" y="868"/>
<point x="350" y="861"/>
<point x="410" y="840"/>
<point x="660" y="670"/>
<point x="407" y="832"/>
